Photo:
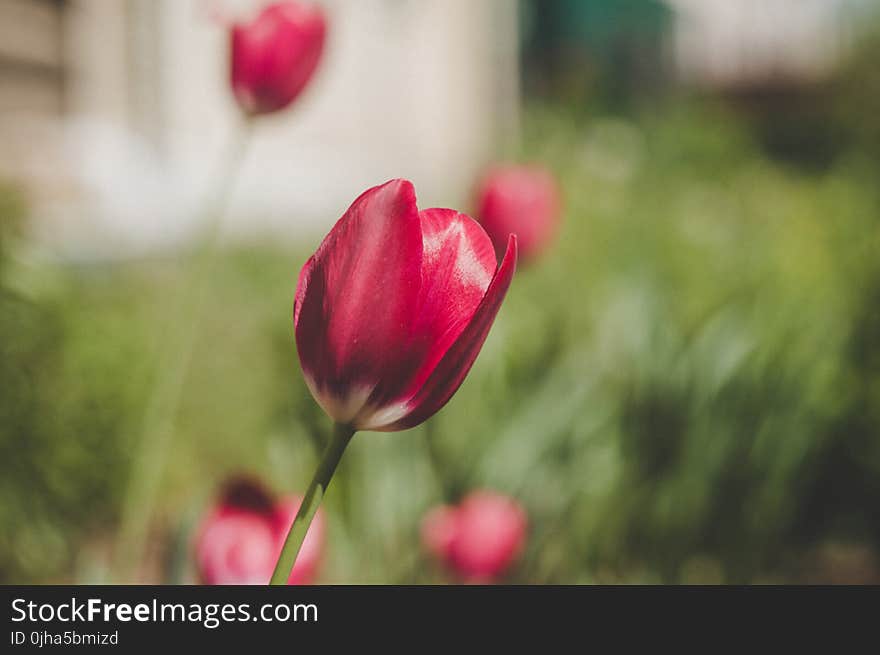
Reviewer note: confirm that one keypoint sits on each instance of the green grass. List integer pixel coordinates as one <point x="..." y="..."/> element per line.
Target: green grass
<point x="683" y="388"/>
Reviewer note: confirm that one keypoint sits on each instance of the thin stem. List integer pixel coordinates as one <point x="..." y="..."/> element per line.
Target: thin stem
<point x="157" y="428"/>
<point x="342" y="434"/>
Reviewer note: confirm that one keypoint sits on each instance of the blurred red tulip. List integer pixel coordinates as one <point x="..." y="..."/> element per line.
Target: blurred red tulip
<point x="520" y="200"/>
<point x="479" y="538"/>
<point x="438" y="531"/>
<point x="393" y="308"/>
<point x="275" y="55"/>
<point x="239" y="540"/>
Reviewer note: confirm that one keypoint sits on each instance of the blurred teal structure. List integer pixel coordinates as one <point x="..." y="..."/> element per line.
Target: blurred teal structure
<point x="570" y="47"/>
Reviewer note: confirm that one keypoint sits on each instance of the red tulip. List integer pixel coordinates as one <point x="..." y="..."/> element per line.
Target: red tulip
<point x="520" y="200"/>
<point x="239" y="540"/>
<point x="479" y="538"/>
<point x="393" y="308"/>
<point x="439" y="530"/>
<point x="275" y="55"/>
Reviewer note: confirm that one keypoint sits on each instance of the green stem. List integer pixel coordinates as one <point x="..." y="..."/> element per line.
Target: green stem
<point x="157" y="427"/>
<point x="451" y="479"/>
<point x="342" y="434"/>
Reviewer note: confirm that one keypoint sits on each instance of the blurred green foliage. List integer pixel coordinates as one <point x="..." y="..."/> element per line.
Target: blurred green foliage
<point x="63" y="399"/>
<point x="810" y="123"/>
<point x="685" y="388"/>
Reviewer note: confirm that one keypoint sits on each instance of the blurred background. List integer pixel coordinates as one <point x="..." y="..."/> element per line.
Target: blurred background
<point x="684" y="387"/>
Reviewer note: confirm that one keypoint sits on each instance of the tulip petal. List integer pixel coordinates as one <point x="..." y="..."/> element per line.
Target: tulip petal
<point x="458" y="262"/>
<point x="456" y="362"/>
<point x="356" y="297"/>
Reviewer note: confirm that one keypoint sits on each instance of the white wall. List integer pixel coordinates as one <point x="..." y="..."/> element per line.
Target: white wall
<point x="408" y="88"/>
<point x="734" y="41"/>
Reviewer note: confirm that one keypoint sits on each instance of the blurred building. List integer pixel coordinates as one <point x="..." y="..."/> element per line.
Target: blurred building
<point x="113" y="114"/>
<point x="630" y="47"/>
<point x="735" y="42"/>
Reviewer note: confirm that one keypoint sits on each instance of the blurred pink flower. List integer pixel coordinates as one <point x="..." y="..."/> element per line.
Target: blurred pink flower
<point x="438" y="531"/>
<point x="275" y="55"/>
<point x="520" y="200"/>
<point x="479" y="538"/>
<point x="240" y="538"/>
